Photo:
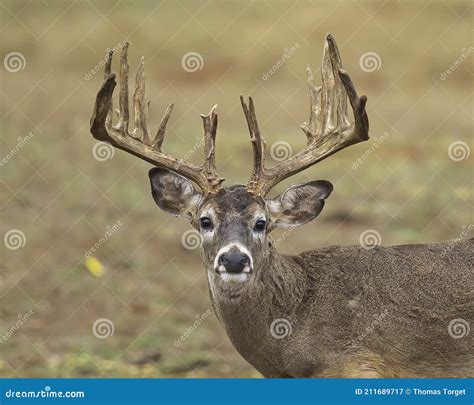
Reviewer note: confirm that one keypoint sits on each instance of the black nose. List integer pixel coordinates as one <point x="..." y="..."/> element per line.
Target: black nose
<point x="234" y="261"/>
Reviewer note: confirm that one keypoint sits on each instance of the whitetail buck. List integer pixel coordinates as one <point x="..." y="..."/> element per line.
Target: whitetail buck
<point x="339" y="311"/>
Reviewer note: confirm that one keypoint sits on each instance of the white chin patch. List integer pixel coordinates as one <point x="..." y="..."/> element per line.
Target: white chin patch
<point x="226" y="276"/>
<point x="233" y="276"/>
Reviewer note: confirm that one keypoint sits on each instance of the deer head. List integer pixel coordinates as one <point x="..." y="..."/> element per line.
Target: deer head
<point x="235" y="222"/>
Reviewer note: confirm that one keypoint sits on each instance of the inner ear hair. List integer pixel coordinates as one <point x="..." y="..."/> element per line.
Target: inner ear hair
<point x="299" y="204"/>
<point x="174" y="193"/>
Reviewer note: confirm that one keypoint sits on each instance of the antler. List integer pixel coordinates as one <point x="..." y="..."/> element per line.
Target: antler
<point x="138" y="141"/>
<point x="328" y="130"/>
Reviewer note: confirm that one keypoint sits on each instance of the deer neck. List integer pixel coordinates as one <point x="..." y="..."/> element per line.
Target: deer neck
<point x="275" y="291"/>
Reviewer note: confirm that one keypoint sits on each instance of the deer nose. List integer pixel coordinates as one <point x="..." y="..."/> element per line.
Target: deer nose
<point x="234" y="261"/>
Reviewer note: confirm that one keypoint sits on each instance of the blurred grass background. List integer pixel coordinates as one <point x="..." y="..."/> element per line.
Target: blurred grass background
<point x="153" y="289"/>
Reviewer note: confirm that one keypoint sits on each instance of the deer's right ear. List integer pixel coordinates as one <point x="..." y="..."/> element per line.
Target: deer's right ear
<point x="173" y="193"/>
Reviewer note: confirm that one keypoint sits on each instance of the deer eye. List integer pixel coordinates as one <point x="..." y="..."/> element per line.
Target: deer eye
<point x="260" y="225"/>
<point x="206" y="223"/>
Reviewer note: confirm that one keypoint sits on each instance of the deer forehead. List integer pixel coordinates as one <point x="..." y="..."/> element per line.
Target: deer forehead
<point x="232" y="204"/>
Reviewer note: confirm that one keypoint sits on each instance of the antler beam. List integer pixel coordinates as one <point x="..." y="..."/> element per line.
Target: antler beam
<point x="138" y="141"/>
<point x="328" y="130"/>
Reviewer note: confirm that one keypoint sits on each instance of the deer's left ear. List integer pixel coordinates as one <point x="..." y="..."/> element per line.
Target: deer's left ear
<point x="299" y="204"/>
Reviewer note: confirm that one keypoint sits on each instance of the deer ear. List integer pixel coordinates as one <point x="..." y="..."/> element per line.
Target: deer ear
<point x="173" y="193"/>
<point x="299" y="204"/>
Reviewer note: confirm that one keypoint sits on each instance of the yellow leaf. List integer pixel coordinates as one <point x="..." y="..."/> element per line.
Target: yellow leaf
<point x="95" y="267"/>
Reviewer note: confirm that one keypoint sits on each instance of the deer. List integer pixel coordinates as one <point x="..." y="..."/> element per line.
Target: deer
<point x="337" y="311"/>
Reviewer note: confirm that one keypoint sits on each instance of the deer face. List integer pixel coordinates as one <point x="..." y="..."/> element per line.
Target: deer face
<point x="234" y="223"/>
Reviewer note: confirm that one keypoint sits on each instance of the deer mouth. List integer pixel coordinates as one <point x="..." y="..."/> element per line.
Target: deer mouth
<point x="225" y="275"/>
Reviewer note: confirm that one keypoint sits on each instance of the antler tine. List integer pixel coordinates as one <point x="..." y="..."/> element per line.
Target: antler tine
<point x="333" y="94"/>
<point x="107" y="72"/>
<point x="139" y="106"/>
<point x="122" y="125"/>
<point x="361" y="121"/>
<point x="258" y="144"/>
<point x="328" y="129"/>
<point x="160" y="134"/>
<point x="140" y="145"/>
<point x="314" y="125"/>
<point x="209" y="166"/>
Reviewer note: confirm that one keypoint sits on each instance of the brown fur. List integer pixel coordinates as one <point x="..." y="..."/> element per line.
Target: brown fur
<point x="348" y="311"/>
<point x="330" y="296"/>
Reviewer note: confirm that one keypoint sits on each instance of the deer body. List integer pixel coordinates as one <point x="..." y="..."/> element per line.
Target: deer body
<point x="333" y="312"/>
<point x="357" y="313"/>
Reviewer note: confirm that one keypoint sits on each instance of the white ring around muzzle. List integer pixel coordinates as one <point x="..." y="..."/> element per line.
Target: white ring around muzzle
<point x="227" y="248"/>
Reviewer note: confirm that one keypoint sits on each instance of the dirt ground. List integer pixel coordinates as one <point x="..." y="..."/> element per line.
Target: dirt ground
<point x="140" y="306"/>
